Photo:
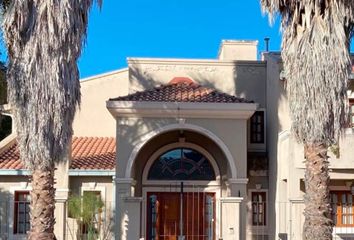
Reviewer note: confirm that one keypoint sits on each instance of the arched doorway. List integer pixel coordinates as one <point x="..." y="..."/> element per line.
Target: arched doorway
<point x="181" y="182"/>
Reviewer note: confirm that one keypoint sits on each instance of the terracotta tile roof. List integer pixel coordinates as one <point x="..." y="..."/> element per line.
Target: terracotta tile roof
<point x="10" y="158"/>
<point x="182" y="89"/>
<point x="88" y="153"/>
<point x="97" y="153"/>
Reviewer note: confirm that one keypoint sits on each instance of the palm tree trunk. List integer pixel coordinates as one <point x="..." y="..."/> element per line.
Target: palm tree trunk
<point x="318" y="224"/>
<point x="42" y="205"/>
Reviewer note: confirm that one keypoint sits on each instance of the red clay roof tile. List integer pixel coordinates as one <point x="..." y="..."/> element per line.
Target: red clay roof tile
<point x="90" y="153"/>
<point x="182" y="90"/>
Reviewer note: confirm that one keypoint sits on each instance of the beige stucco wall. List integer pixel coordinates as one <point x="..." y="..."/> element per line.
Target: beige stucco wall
<point x="172" y="137"/>
<point x="241" y="78"/>
<point x="102" y="184"/>
<point x="232" y="132"/>
<point x="93" y="119"/>
<point x="286" y="156"/>
<point x="78" y="184"/>
<point x="8" y="186"/>
<point x="238" y="50"/>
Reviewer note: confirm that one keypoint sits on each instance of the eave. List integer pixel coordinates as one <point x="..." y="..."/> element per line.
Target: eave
<point x="72" y="172"/>
<point x="181" y="109"/>
<point x="79" y="172"/>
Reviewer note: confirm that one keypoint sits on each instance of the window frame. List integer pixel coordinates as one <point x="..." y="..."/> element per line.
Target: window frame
<point x="253" y="125"/>
<point x="258" y="229"/>
<point x="165" y="148"/>
<point x="16" y="212"/>
<point x="337" y="217"/>
<point x="263" y="206"/>
<point x="181" y="151"/>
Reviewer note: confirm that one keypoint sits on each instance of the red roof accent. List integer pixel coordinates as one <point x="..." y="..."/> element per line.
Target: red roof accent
<point x="97" y="153"/>
<point x="182" y="92"/>
<point x="177" y="80"/>
<point x="10" y="158"/>
<point x="88" y="153"/>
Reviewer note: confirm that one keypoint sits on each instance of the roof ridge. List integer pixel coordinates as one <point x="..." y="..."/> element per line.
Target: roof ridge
<point x="182" y="91"/>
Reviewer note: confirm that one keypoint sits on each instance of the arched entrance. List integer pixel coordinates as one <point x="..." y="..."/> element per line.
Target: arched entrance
<point x="181" y="127"/>
<point x="181" y="182"/>
<point x="181" y="203"/>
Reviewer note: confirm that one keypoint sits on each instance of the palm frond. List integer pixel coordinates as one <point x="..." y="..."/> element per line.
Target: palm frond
<point x="44" y="40"/>
<point x="315" y="52"/>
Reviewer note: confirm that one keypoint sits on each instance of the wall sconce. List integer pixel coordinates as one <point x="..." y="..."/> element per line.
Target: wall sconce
<point x="258" y="186"/>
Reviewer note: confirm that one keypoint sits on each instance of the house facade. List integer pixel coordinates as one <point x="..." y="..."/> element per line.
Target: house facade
<point x="203" y="151"/>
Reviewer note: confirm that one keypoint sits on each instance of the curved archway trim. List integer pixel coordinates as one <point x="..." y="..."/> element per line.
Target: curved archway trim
<point x="146" y="138"/>
<point x="171" y="146"/>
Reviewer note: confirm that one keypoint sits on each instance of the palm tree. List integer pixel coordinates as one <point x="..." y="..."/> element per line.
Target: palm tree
<point x="3" y="92"/>
<point x="315" y="52"/>
<point x="44" y="39"/>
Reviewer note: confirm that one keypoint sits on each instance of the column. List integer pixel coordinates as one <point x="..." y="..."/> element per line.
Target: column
<point x="230" y="221"/>
<point x="61" y="175"/>
<point x="238" y="189"/>
<point x="127" y="210"/>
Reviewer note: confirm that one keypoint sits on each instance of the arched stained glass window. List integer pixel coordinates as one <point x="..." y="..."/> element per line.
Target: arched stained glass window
<point x="181" y="164"/>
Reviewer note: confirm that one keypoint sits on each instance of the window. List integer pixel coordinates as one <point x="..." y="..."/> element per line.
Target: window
<point x="257" y="127"/>
<point x="342" y="208"/>
<point x="351" y="112"/>
<point x="181" y="164"/>
<point x="21" y="212"/>
<point x="259" y="209"/>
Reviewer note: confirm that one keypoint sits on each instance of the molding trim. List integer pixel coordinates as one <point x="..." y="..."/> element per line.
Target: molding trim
<point x="13" y="172"/>
<point x="94" y="77"/>
<point x="238" y="180"/>
<point x="181" y="109"/>
<point x="133" y="199"/>
<point x="147" y="137"/>
<point x="8" y="141"/>
<point x="200" y="62"/>
<point x="124" y="181"/>
<point x="74" y="172"/>
<point x="296" y="200"/>
<point x="231" y="200"/>
<point x="171" y="146"/>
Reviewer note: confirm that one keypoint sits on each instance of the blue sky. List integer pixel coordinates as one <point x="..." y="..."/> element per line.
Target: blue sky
<point x="169" y="28"/>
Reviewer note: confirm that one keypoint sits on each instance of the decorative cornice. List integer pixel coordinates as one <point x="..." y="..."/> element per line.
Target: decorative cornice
<point x="14" y="172"/>
<point x="231" y="200"/>
<point x="74" y="172"/>
<point x="200" y="62"/>
<point x="238" y="180"/>
<point x="181" y="109"/>
<point x="133" y="199"/>
<point x="95" y="77"/>
<point x="125" y="181"/>
<point x="296" y="200"/>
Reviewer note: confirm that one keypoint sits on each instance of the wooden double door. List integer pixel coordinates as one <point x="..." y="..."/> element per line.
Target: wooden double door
<point x="180" y="216"/>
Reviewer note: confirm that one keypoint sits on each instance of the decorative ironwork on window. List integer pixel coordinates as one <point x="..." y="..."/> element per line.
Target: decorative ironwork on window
<point x="181" y="164"/>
